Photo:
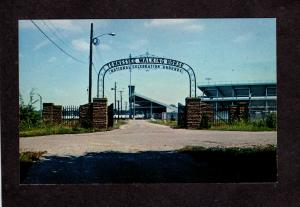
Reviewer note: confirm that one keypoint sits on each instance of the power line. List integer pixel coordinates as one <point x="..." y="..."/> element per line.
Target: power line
<point x="66" y="53"/>
<point x="54" y="33"/>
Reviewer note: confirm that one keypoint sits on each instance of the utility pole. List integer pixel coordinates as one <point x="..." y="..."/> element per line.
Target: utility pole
<point x="90" y="64"/>
<point x="130" y="99"/>
<point x="115" y="89"/>
<point x="118" y="110"/>
<point x="121" y="101"/>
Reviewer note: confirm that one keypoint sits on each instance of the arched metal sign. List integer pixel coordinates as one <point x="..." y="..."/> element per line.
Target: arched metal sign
<point x="148" y="63"/>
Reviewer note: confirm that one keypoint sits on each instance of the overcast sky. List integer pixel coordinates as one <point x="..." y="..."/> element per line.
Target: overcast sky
<point x="232" y="50"/>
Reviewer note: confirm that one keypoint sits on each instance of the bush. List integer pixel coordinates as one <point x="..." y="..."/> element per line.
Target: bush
<point x="271" y="120"/>
<point x="29" y="117"/>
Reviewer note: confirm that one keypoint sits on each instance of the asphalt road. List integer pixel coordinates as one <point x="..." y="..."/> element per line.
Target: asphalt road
<point x="140" y="135"/>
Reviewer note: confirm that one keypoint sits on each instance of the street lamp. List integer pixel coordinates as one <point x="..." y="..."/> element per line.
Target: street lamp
<point x="94" y="41"/>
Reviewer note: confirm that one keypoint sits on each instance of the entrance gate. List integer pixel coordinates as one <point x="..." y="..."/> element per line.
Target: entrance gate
<point x="148" y="63"/>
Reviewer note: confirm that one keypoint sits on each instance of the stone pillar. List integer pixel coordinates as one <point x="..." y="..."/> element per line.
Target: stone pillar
<point x="208" y="110"/>
<point x="52" y="113"/>
<point x="195" y="109"/>
<point x="57" y="114"/>
<point x="47" y="112"/>
<point x="99" y="113"/>
<point x="193" y="112"/>
<point x="85" y="116"/>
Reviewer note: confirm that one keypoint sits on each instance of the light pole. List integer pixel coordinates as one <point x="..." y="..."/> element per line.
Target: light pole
<point x="126" y="108"/>
<point x="121" y="101"/>
<point x="115" y="89"/>
<point x="93" y="41"/>
<point x="130" y="100"/>
<point x="118" y="110"/>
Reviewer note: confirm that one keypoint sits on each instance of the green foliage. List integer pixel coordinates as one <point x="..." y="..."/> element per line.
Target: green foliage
<point x="268" y="124"/>
<point x="29" y="116"/>
<point x="271" y="120"/>
<point x="48" y="129"/>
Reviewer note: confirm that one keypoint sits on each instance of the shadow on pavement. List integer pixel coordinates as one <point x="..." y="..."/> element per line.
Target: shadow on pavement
<point x="150" y="167"/>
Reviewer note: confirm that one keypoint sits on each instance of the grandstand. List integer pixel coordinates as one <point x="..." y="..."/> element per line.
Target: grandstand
<point x="260" y="98"/>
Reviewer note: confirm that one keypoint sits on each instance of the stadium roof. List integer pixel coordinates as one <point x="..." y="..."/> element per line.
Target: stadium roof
<point x="168" y="107"/>
<point x="228" y="90"/>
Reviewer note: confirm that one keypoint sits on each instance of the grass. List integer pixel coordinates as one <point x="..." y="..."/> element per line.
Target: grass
<point x="172" y="124"/>
<point x="27" y="159"/>
<point x="237" y="126"/>
<point x="235" y="164"/>
<point x="243" y="126"/>
<point x="44" y="129"/>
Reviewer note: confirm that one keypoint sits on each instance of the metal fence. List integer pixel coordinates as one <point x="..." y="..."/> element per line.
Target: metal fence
<point x="220" y="117"/>
<point x="253" y="114"/>
<point x="70" y="115"/>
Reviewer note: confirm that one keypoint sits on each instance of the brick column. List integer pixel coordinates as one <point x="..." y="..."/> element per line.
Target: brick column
<point x="207" y="109"/>
<point x="193" y="112"/>
<point x="52" y="113"/>
<point x="47" y="112"/>
<point x="99" y="113"/>
<point x="85" y="117"/>
<point x="57" y="114"/>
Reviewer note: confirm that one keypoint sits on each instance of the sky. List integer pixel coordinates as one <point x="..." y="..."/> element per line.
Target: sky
<point x="223" y="50"/>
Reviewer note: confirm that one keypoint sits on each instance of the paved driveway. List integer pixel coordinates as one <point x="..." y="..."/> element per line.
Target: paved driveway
<point x="140" y="135"/>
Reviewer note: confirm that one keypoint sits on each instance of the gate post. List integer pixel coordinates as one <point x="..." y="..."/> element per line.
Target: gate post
<point x="52" y="113"/>
<point x="85" y="115"/>
<point x="47" y="113"/>
<point x="99" y="113"/>
<point x="193" y="112"/>
<point x="57" y="114"/>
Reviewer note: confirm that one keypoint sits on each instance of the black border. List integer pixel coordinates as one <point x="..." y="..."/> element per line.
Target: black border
<point x="283" y="193"/>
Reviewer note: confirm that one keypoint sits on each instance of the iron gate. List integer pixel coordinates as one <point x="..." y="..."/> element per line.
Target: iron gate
<point x="70" y="115"/>
<point x="181" y="121"/>
<point x="110" y="115"/>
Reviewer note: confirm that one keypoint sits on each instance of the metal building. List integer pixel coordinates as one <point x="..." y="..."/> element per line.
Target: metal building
<point x="144" y="107"/>
<point x="260" y="98"/>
